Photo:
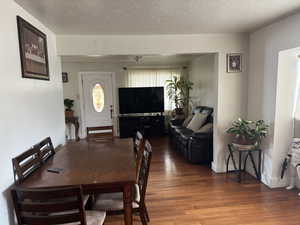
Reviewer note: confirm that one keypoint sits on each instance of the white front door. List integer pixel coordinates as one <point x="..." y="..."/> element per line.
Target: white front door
<point x="97" y="99"/>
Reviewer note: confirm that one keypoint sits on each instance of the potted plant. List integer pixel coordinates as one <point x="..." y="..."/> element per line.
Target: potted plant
<point x="178" y="92"/>
<point x="69" y="103"/>
<point x="248" y="134"/>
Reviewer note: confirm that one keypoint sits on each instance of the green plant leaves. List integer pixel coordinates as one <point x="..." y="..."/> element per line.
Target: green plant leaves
<point x="69" y="103"/>
<point x="251" y="130"/>
<point x="178" y="91"/>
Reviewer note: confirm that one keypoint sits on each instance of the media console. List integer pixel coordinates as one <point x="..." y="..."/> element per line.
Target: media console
<point x="150" y="125"/>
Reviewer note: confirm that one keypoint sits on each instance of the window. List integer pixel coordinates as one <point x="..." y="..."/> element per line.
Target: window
<point x="98" y="98"/>
<point x="152" y="78"/>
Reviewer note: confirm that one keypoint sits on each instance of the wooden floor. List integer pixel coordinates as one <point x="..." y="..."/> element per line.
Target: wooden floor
<point x="183" y="194"/>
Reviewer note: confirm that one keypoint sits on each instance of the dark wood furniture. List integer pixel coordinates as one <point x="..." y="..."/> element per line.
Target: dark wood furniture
<point x="46" y="149"/>
<point x="112" y="203"/>
<point x="74" y="120"/>
<point x="248" y="153"/>
<point x="195" y="147"/>
<point x="105" y="133"/>
<point x="137" y="140"/>
<point x="53" y="206"/>
<point x="103" y="167"/>
<point x="139" y="147"/>
<point x="26" y="163"/>
<point x="149" y="125"/>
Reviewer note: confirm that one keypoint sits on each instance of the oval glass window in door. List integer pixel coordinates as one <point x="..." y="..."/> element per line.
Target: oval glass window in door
<point x="98" y="97"/>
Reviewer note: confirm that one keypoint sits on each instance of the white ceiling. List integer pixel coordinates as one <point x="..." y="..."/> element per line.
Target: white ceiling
<point x="157" y="16"/>
<point x="129" y="60"/>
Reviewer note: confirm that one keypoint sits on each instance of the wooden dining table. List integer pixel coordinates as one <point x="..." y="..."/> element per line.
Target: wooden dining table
<point x="97" y="167"/>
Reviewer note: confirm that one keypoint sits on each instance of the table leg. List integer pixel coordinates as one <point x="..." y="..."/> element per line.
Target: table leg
<point x="231" y="155"/>
<point x="240" y="167"/>
<point x="127" y="198"/>
<point x="259" y="164"/>
<point x="254" y="167"/>
<point x="76" y="131"/>
<point x="245" y="162"/>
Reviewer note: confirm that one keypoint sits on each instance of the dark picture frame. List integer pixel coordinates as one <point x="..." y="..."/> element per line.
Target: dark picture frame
<point x="33" y="51"/>
<point x="234" y="63"/>
<point x="65" y="78"/>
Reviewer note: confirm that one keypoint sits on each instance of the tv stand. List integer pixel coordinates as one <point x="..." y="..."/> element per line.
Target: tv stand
<point x="150" y="125"/>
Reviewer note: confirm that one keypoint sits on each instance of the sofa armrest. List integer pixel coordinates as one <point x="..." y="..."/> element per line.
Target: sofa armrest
<point x="176" y="122"/>
<point x="201" y="136"/>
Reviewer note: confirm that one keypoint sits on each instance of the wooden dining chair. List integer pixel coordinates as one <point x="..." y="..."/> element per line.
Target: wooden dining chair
<point x="46" y="149"/>
<point x="26" y="163"/>
<point x="53" y="206"/>
<point x="140" y="148"/>
<point x="137" y="139"/>
<point x="112" y="203"/>
<point x="100" y="134"/>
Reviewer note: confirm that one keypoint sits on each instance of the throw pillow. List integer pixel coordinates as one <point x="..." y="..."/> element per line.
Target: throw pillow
<point x="197" y="121"/>
<point x="207" y="128"/>
<point x="187" y="120"/>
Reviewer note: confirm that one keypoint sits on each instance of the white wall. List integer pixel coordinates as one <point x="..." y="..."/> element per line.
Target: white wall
<point x="30" y="109"/>
<point x="202" y="74"/>
<point x="231" y="97"/>
<point x="271" y="89"/>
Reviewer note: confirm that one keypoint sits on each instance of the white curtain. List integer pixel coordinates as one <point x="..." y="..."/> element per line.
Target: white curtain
<point x="152" y="78"/>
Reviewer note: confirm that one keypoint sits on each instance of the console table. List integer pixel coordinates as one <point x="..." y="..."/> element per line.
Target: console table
<point x="248" y="153"/>
<point x="74" y="120"/>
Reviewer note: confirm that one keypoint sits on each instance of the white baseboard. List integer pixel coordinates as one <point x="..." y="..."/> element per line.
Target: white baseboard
<point x="217" y="169"/>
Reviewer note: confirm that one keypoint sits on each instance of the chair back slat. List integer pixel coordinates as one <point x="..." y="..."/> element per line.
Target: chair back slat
<point x="55" y="206"/>
<point x="50" y="220"/>
<point x="139" y="148"/>
<point x="49" y="206"/>
<point x="46" y="149"/>
<point x="137" y="139"/>
<point x="25" y="164"/>
<point x="144" y="170"/>
<point x="100" y="134"/>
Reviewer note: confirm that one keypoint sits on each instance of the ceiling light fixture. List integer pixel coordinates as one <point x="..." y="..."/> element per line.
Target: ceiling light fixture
<point x="138" y="58"/>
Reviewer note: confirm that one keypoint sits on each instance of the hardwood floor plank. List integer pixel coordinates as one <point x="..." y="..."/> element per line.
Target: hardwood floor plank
<point x="180" y="193"/>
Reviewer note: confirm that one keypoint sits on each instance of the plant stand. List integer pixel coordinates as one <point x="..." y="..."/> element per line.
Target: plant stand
<point x="248" y="153"/>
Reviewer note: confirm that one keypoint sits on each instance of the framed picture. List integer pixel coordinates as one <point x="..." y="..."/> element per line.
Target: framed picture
<point x="234" y="63"/>
<point x="33" y="51"/>
<point x="65" y="78"/>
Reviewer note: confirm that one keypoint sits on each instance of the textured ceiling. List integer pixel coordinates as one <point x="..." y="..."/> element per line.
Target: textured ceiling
<point x="157" y="16"/>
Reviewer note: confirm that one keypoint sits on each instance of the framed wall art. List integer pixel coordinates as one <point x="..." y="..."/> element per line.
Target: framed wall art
<point x="234" y="63"/>
<point x="33" y="51"/>
<point x="65" y="78"/>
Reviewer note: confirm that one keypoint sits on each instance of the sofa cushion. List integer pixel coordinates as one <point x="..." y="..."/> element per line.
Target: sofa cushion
<point x="207" y="128"/>
<point x="187" y="120"/>
<point x="198" y="120"/>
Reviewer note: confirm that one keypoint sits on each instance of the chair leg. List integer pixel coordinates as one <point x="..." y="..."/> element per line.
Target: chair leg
<point x="143" y="219"/>
<point x="146" y="213"/>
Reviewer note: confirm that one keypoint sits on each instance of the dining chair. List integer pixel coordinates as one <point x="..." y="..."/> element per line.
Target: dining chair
<point x="139" y="148"/>
<point x="46" y="149"/>
<point x="112" y="203"/>
<point x="137" y="139"/>
<point x="53" y="206"/>
<point x="100" y="134"/>
<point x="26" y="163"/>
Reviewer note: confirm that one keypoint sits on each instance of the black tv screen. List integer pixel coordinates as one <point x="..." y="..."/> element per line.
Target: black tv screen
<point x="141" y="100"/>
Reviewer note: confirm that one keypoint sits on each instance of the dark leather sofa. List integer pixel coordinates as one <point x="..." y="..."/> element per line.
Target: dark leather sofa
<point x="195" y="147"/>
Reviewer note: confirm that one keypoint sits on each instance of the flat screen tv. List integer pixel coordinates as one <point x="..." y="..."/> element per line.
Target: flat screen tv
<point x="141" y="100"/>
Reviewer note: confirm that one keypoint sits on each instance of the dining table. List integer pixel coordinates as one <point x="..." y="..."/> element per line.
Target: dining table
<point x="97" y="167"/>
